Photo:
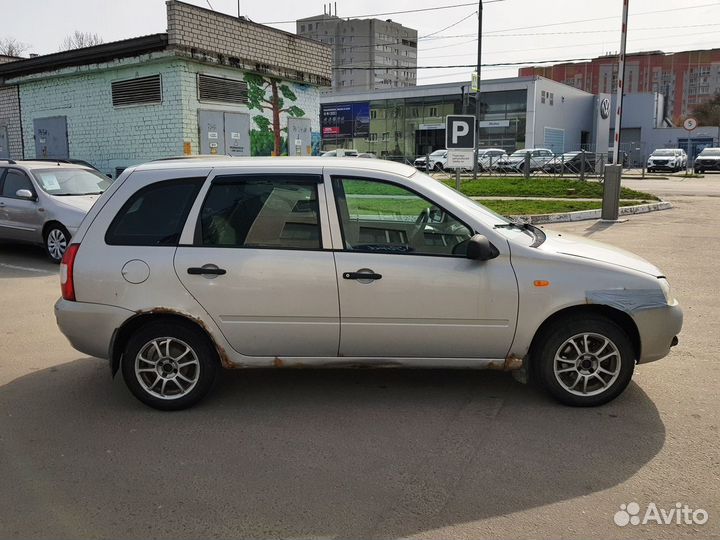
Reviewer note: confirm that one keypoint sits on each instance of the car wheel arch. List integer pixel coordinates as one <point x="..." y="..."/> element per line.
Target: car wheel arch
<point x="122" y="335"/>
<point x="621" y="318"/>
<point x="49" y="225"/>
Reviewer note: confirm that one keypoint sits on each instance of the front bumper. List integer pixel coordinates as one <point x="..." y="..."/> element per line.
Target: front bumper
<point x="708" y="165"/>
<point x="90" y="327"/>
<point x="658" y="328"/>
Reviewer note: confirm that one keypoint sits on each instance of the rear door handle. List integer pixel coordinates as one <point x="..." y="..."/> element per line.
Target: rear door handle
<point x="202" y="270"/>
<point x="361" y="275"/>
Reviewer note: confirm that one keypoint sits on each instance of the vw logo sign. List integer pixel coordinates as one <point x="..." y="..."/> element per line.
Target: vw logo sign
<point x="604" y="108"/>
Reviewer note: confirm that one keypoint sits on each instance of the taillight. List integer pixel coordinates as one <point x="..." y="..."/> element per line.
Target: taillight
<point x="67" y="286"/>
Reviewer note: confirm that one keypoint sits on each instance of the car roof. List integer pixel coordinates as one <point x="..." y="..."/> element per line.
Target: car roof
<point x="227" y="162"/>
<point x="32" y="164"/>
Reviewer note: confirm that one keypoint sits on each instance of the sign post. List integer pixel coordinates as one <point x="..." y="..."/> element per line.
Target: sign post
<point x="460" y="133"/>
<point x="689" y="124"/>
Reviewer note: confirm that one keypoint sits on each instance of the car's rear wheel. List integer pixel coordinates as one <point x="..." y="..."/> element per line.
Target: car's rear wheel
<point x="169" y="366"/>
<point x="584" y="361"/>
<point x="57" y="239"/>
<point x="438" y="167"/>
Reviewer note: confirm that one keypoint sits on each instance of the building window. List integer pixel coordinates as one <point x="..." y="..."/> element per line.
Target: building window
<point x="542" y="96"/>
<point x="373" y="114"/>
<point x="433" y="112"/>
<point x="373" y="137"/>
<point x="140" y="91"/>
<point x="302" y="27"/>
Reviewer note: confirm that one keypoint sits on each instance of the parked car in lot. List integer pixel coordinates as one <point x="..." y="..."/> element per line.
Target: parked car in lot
<point x="488" y="157"/>
<point x="438" y="161"/>
<point x="340" y="152"/>
<point x="44" y="202"/>
<point x="667" y="159"/>
<point x="707" y="160"/>
<point x="184" y="267"/>
<point x="515" y="163"/>
<point x="572" y="163"/>
<point x="624" y="158"/>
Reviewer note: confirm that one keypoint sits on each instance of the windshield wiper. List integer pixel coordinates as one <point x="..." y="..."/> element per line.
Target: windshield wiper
<point x="537" y="232"/>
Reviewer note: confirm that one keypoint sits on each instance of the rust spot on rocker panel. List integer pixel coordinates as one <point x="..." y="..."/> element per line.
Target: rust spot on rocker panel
<point x="511" y="363"/>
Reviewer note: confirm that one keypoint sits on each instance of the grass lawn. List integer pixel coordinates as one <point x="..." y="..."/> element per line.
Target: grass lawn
<point x="541" y="187"/>
<point x="533" y="207"/>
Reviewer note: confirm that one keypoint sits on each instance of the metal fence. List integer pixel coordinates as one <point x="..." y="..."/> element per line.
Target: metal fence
<point x="583" y="165"/>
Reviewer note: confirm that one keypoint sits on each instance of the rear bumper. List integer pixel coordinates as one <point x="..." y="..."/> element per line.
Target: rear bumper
<point x="658" y="329"/>
<point x="90" y="327"/>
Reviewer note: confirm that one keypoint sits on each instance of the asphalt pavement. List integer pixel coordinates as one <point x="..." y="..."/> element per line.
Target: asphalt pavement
<point x="366" y="453"/>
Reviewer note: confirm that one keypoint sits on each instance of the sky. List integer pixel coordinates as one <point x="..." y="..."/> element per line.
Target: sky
<point x="513" y="30"/>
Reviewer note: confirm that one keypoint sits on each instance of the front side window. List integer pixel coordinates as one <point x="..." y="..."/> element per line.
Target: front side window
<point x="15" y="180"/>
<point x="262" y="212"/>
<point x="155" y="215"/>
<point x="380" y="217"/>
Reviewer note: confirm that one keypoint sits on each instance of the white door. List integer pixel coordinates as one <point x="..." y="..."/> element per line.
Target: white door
<point x="406" y="287"/>
<point x="258" y="267"/>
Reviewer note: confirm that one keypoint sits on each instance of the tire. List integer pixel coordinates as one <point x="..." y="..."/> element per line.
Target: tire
<point x="564" y="380"/>
<point x="173" y="381"/>
<point x="438" y="167"/>
<point x="56" y="240"/>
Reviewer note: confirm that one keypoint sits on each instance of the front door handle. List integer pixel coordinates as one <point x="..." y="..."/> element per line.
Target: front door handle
<point x="203" y="270"/>
<point x="361" y="275"/>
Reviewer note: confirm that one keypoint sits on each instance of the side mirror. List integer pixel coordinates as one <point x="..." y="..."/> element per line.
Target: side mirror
<point x="479" y="248"/>
<point x="25" y="194"/>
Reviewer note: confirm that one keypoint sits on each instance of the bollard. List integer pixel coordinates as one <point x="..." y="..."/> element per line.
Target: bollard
<point x="457" y="178"/>
<point x="582" y="165"/>
<point x="526" y="166"/>
<point x="611" y="193"/>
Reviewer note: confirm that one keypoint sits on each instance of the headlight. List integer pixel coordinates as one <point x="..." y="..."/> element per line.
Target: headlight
<point x="665" y="288"/>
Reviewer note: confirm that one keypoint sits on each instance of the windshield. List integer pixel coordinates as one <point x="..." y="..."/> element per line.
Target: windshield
<point x="665" y="152"/>
<point x="710" y="152"/>
<point x="71" y="181"/>
<point x="519" y="153"/>
<point x="438" y="153"/>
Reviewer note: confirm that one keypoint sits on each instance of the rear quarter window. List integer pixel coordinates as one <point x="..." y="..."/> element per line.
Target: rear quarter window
<point x="155" y="215"/>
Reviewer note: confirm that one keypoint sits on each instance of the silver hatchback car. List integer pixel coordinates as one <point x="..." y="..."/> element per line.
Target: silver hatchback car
<point x="186" y="266"/>
<point x="44" y="202"/>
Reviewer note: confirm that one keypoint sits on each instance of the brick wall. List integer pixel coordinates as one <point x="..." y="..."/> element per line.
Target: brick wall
<point x="247" y="45"/>
<point x="107" y="136"/>
<point x="10" y="118"/>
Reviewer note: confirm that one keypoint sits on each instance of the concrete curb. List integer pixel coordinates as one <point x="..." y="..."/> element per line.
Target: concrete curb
<point x="582" y="215"/>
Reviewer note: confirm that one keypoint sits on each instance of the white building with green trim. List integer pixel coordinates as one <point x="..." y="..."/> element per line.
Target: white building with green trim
<point x="211" y="84"/>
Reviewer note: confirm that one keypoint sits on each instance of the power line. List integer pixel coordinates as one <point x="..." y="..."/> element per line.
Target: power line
<point x="449" y="26"/>
<point x="389" y="12"/>
<point x="397" y="68"/>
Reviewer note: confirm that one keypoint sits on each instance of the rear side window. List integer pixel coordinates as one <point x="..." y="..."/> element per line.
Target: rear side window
<point x="274" y="211"/>
<point x="155" y="215"/>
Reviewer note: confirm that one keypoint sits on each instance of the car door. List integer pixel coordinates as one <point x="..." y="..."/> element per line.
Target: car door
<point x="21" y="219"/>
<point x="260" y="263"/>
<point x="406" y="288"/>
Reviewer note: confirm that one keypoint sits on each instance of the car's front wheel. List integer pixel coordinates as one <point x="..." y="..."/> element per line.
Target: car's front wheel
<point x="584" y="361"/>
<point x="57" y="239"/>
<point x="169" y="366"/>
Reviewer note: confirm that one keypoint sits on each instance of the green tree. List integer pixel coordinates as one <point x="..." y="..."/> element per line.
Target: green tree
<point x="258" y="99"/>
<point x="708" y="113"/>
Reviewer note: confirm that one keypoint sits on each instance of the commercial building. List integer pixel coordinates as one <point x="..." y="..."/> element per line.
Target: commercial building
<point x="517" y="113"/>
<point x="211" y="84"/>
<point x="684" y="79"/>
<point x="367" y="53"/>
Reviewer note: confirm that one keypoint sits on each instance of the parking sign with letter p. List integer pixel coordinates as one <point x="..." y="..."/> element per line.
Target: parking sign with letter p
<point x="460" y="131"/>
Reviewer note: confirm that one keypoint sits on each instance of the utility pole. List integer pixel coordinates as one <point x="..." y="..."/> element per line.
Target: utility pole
<point x="477" y="92"/>
<point x="621" y="84"/>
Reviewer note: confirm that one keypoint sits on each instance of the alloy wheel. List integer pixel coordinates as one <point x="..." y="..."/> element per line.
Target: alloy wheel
<point x="587" y="364"/>
<point x="167" y="368"/>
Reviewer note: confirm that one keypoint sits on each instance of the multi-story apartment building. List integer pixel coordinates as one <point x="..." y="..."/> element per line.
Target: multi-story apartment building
<point x="685" y="79"/>
<point x="368" y="54"/>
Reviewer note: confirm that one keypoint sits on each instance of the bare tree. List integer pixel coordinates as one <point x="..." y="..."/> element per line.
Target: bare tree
<point x="12" y="47"/>
<point x="78" y="40"/>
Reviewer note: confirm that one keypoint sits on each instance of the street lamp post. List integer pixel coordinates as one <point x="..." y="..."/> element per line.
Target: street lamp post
<point x="477" y="91"/>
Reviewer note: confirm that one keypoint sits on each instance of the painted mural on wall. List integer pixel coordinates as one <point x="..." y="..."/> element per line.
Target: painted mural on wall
<point x="274" y="96"/>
